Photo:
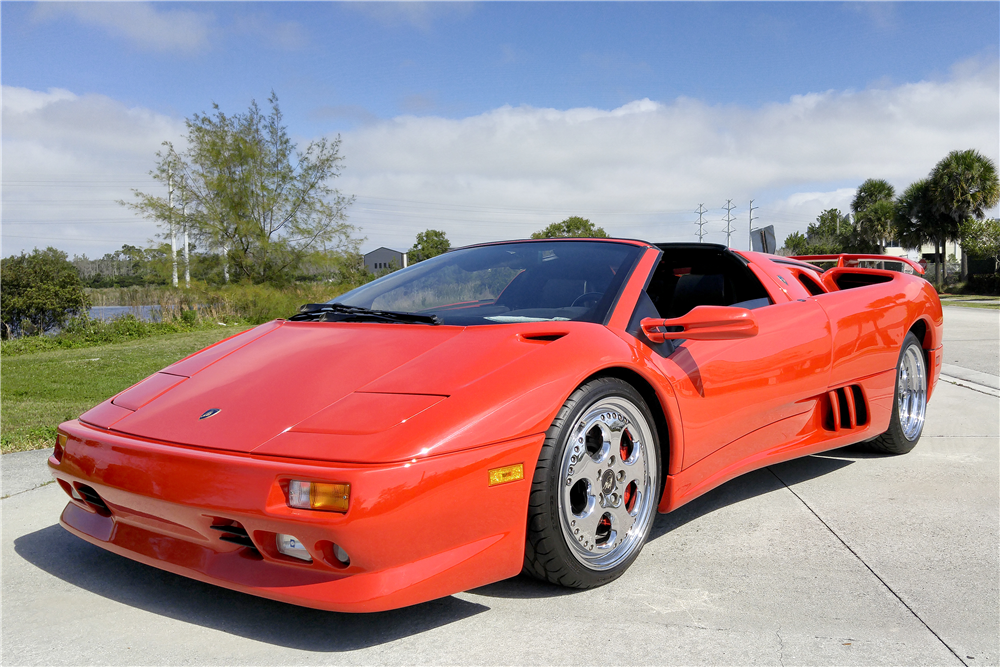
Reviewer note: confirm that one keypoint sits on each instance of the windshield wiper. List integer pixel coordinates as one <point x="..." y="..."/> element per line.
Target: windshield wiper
<point x="338" y="312"/>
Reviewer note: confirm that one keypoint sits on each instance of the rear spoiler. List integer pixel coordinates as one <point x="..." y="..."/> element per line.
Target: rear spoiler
<point x="864" y="261"/>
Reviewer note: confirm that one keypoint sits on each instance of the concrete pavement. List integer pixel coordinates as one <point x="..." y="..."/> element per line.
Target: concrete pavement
<point x="843" y="558"/>
<point x="972" y="339"/>
<point x="23" y="471"/>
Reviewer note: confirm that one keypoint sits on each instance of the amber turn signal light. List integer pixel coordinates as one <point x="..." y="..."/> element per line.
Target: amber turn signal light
<point x="319" y="496"/>
<point x="60" y="447"/>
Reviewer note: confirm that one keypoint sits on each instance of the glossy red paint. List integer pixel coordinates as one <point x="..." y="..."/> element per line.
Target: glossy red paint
<point x="703" y="323"/>
<point x="414" y="530"/>
<point x="413" y="417"/>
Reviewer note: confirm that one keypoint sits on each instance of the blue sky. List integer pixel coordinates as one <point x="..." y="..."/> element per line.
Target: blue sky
<point x="422" y="93"/>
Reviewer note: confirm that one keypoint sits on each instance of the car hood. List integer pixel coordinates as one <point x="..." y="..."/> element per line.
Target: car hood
<point x="283" y="378"/>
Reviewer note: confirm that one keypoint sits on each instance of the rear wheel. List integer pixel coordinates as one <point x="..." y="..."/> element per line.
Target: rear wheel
<point x="593" y="496"/>
<point x="910" y="403"/>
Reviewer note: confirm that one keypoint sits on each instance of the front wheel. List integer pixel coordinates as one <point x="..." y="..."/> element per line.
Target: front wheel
<point x="910" y="403"/>
<point x="593" y="496"/>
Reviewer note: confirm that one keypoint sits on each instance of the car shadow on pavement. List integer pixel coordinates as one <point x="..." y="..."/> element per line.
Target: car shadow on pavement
<point x="742" y="488"/>
<point x="753" y="484"/>
<point x="111" y="576"/>
<point x="81" y="564"/>
<point x="523" y="587"/>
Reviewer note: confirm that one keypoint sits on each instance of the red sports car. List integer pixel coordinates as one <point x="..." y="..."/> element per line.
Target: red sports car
<point x="507" y="407"/>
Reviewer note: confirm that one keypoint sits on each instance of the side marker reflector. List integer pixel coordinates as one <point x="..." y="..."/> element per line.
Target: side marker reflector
<point x="506" y="474"/>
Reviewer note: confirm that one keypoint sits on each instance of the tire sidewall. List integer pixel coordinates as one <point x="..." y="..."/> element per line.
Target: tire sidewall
<point x="556" y="442"/>
<point x="904" y="444"/>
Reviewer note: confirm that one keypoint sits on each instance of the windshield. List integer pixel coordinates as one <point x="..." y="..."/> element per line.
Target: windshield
<point x="537" y="281"/>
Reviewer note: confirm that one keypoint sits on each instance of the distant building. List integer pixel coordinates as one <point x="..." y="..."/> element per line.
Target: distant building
<point x="385" y="258"/>
<point x="927" y="251"/>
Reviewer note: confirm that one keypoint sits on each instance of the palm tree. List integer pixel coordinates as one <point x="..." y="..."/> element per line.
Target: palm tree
<point x="964" y="185"/>
<point x="874" y="211"/>
<point x="874" y="223"/>
<point x="917" y="222"/>
<point x="871" y="191"/>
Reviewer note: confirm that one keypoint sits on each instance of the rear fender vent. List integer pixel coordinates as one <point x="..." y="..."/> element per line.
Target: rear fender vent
<point x="93" y="500"/>
<point x="848" y="409"/>
<point x="235" y="533"/>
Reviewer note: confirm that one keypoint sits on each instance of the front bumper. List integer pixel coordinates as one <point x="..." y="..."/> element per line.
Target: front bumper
<point x="415" y="530"/>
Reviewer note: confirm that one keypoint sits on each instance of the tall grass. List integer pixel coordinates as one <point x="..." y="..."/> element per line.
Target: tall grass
<point x="178" y="310"/>
<point x="251" y="304"/>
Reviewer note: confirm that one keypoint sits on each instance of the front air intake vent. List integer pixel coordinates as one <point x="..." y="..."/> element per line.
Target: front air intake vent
<point x="93" y="500"/>
<point x="235" y="533"/>
<point x="848" y="409"/>
<point x="543" y="337"/>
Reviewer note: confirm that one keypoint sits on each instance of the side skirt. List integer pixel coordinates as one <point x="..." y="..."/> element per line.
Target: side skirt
<point x="809" y="432"/>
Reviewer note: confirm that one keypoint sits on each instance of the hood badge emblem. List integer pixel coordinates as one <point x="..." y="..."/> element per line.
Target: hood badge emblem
<point x="209" y="413"/>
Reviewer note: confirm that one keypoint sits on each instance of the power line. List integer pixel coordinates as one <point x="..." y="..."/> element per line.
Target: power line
<point x="750" y="226"/>
<point x="512" y="208"/>
<point x="76" y="222"/>
<point x="64" y="238"/>
<point x="389" y="201"/>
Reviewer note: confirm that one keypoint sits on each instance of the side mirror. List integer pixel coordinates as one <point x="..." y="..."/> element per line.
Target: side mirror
<point x="703" y="323"/>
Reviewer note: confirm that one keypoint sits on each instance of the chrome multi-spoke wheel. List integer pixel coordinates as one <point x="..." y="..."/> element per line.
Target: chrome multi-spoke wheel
<point x="910" y="405"/>
<point x="911" y="392"/>
<point x="593" y="495"/>
<point x="605" y="502"/>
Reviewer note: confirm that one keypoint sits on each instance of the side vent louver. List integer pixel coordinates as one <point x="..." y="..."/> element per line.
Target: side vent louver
<point x="847" y="408"/>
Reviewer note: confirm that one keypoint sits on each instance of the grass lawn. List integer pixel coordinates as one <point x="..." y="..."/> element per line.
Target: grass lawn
<point x="969" y="297"/>
<point x="43" y="389"/>
<point x="986" y="306"/>
<point x="964" y="299"/>
<point x="992" y="302"/>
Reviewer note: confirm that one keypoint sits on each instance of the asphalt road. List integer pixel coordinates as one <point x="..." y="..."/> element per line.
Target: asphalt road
<point x="837" y="559"/>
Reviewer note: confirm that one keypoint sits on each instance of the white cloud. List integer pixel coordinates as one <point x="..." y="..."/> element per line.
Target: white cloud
<point x="23" y="100"/>
<point x="640" y="170"/>
<point x="146" y="26"/>
<point x="67" y="159"/>
<point x="882" y="16"/>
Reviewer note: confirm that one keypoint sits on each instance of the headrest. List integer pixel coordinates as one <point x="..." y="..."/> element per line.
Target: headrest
<point x="697" y="290"/>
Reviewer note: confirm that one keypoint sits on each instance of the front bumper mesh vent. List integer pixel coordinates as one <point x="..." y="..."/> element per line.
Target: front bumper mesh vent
<point x="236" y="534"/>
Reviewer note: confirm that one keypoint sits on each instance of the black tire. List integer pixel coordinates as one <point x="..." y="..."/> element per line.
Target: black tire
<point x="610" y="492"/>
<point x="909" y="402"/>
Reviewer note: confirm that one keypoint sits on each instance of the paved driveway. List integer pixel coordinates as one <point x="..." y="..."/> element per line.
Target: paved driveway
<point x="836" y="559"/>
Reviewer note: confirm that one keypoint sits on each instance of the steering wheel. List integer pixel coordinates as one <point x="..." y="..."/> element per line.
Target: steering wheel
<point x="587" y="296"/>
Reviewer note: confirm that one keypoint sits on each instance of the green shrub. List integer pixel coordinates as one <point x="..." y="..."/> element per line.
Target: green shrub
<point x="40" y="292"/>
<point x="983" y="284"/>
